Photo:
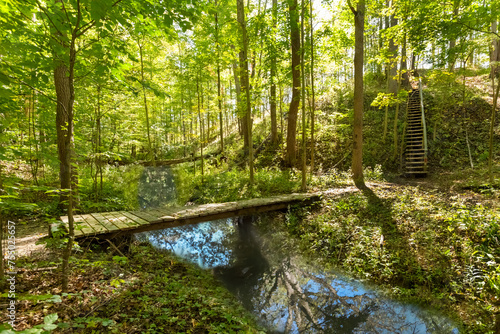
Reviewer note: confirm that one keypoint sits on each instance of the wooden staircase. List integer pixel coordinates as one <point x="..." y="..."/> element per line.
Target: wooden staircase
<point x="415" y="152"/>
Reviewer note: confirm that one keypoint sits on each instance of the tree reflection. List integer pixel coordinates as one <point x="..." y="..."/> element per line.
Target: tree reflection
<point x="289" y="293"/>
<point x="156" y="187"/>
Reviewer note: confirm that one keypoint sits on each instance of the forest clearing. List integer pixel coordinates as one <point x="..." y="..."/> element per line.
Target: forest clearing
<point x="167" y="110"/>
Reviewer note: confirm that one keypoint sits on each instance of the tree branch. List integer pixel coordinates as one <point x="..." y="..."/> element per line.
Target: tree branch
<point x="44" y="10"/>
<point x="22" y="82"/>
<point x="116" y="3"/>
<point x="351" y="7"/>
<point x="479" y="30"/>
<point x="84" y="28"/>
<point x="66" y="12"/>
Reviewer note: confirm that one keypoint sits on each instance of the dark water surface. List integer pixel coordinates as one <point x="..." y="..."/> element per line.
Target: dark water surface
<point x="288" y="291"/>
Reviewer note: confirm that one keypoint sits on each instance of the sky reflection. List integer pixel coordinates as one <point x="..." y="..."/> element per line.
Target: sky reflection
<point x="290" y="293"/>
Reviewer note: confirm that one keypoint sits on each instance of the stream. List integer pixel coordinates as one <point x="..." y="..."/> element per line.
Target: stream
<point x="287" y="290"/>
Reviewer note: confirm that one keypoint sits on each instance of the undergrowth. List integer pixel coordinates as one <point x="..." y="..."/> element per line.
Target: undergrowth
<point x="146" y="292"/>
<point x="423" y="245"/>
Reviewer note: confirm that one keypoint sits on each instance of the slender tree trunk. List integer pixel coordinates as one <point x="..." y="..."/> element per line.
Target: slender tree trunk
<point x="219" y="88"/>
<point x="396" y="115"/>
<point x="200" y="120"/>
<point x="357" y="154"/>
<point x="404" y="66"/>
<point x="245" y="83"/>
<point x="290" y="158"/>
<point x="150" y="147"/>
<point x="274" y="125"/>
<point x="495" y="50"/>
<point x="392" y="84"/>
<point x="240" y="107"/>
<point x="65" y="93"/>
<point x="313" y="104"/>
<point x="386" y="121"/>
<point x="492" y="127"/>
<point x="303" y="94"/>
<point x="453" y="42"/>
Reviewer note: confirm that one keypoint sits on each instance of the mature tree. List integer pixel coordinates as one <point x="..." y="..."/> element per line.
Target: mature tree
<point x="245" y="82"/>
<point x="273" y="56"/>
<point x="357" y="150"/>
<point x="290" y="158"/>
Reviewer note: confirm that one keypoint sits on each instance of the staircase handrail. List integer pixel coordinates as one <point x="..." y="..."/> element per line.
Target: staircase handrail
<point x="423" y="119"/>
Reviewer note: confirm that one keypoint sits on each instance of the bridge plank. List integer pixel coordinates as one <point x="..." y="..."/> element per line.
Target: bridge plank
<point x="125" y="220"/>
<point x="170" y="213"/>
<point x="110" y="218"/>
<point x="146" y="216"/>
<point x="135" y="218"/>
<point x="98" y="227"/>
<point x="161" y="214"/>
<point x="82" y="226"/>
<point x="104" y="222"/>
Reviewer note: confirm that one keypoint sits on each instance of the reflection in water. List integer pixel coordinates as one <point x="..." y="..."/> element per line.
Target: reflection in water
<point x="156" y="187"/>
<point x="289" y="293"/>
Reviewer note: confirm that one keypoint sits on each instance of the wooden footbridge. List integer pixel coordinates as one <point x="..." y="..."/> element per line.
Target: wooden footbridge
<point x="110" y="225"/>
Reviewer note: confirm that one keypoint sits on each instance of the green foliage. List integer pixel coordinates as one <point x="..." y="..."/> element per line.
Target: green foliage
<point x="170" y="297"/>
<point x="47" y="327"/>
<point x="232" y="185"/>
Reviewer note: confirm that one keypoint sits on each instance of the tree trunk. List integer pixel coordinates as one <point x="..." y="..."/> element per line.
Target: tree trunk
<point x="313" y="103"/>
<point x="245" y="83"/>
<point x="274" y="125"/>
<point x="64" y="126"/>
<point x="200" y="120"/>
<point x="357" y="152"/>
<point x="65" y="94"/>
<point x="240" y="107"/>
<point x="219" y="93"/>
<point x="290" y="158"/>
<point x="303" y="94"/>
<point x="405" y="77"/>
<point x="495" y="50"/>
<point x="392" y="73"/>
<point x="492" y="127"/>
<point x="453" y="42"/>
<point x="150" y="147"/>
